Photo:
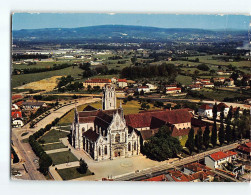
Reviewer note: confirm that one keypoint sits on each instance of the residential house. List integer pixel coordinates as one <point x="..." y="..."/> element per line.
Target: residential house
<point x="221" y="106"/>
<point x="146" y="89"/>
<point x="151" y="86"/>
<point x="244" y="150"/>
<point x="229" y="82"/>
<point x="173" y="90"/>
<point x="122" y="83"/>
<point x="215" y="160"/>
<point x="205" y="110"/>
<point x="96" y="82"/>
<point x="194" y="87"/>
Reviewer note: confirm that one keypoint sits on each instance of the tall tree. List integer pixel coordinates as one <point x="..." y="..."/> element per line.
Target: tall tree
<point x="237" y="113"/>
<point x="230" y="115"/>
<point x="214" y="134"/>
<point x="234" y="133"/>
<point x="190" y="141"/>
<point x="199" y="140"/>
<point x="82" y="167"/>
<point x="215" y="111"/>
<point x="228" y="133"/>
<point x="206" y="137"/>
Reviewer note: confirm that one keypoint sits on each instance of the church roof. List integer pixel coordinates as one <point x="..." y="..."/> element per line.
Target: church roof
<point x="89" y="108"/>
<point x="91" y="135"/>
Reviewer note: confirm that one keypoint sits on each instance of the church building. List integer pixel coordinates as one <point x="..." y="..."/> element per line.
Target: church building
<point x="103" y="134"/>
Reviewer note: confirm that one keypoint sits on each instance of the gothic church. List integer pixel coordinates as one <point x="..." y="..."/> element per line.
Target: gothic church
<point x="103" y="134"/>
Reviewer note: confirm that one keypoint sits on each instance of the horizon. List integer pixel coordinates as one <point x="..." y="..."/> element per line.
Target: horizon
<point x="33" y="21"/>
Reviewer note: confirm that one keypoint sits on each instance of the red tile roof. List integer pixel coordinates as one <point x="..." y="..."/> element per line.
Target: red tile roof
<point x="122" y="80"/>
<point x="206" y="107"/>
<point x="16" y="114"/>
<point x="221" y="155"/>
<point x="97" y="80"/>
<point x="245" y="147"/>
<point x="157" y="178"/>
<point x="14" y="97"/>
<point x="220" y="105"/>
<point x="173" y="89"/>
<point x="195" y="167"/>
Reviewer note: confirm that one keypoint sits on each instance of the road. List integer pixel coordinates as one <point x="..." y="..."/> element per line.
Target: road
<point x="153" y="171"/>
<point x="24" y="151"/>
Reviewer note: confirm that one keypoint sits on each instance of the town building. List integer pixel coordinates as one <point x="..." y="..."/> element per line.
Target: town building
<point x="96" y="82"/>
<point x="205" y="110"/>
<point x="103" y="134"/>
<point x="215" y="160"/>
<point x="146" y="89"/>
<point x="173" y="90"/>
<point x="244" y="150"/>
<point x="122" y="83"/>
<point x="33" y="105"/>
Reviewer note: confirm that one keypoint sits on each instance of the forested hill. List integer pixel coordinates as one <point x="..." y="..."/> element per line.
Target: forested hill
<point x="124" y="33"/>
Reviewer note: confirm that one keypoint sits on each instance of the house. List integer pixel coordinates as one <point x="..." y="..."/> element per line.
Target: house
<point x="219" y="79"/>
<point x="173" y="90"/>
<point x="151" y="86"/>
<point x="208" y="85"/>
<point x="205" y="110"/>
<point x="146" y="89"/>
<point x="96" y="82"/>
<point x="244" y="150"/>
<point x="223" y="106"/>
<point x="33" y="105"/>
<point x="170" y="86"/>
<point x="194" y="87"/>
<point x="229" y="82"/>
<point x="16" y="116"/>
<point x="215" y="160"/>
<point x="122" y="83"/>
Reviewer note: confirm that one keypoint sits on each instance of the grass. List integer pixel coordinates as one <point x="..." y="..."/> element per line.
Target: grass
<point x="184" y="80"/>
<point x="72" y="173"/>
<point x="18" y="80"/>
<point x="53" y="136"/>
<point x="131" y="107"/>
<point x="62" y="157"/>
<point x="183" y="140"/>
<point x="220" y="94"/>
<point x="53" y="146"/>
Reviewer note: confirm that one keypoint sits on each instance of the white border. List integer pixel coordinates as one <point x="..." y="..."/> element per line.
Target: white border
<point x="98" y="6"/>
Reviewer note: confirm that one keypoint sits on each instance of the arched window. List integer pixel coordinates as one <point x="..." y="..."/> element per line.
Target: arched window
<point x="117" y="138"/>
<point x="99" y="151"/>
<point x="129" y="146"/>
<point x="135" y="146"/>
<point x="105" y="150"/>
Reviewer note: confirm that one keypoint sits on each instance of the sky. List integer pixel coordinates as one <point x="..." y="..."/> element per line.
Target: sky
<point x="72" y="20"/>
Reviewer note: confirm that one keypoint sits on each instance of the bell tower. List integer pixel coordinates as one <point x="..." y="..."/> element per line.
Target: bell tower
<point x="109" y="98"/>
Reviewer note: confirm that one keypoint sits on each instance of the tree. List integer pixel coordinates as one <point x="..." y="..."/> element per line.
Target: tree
<point x="162" y="145"/>
<point x="206" y="137"/>
<point x="229" y="115"/>
<point x="142" y="92"/>
<point x="221" y="135"/>
<point x="214" y="134"/>
<point x="199" y="140"/>
<point x="83" y="167"/>
<point x="229" y="133"/>
<point x="215" y="112"/>
<point x="190" y="141"/>
<point x="234" y="133"/>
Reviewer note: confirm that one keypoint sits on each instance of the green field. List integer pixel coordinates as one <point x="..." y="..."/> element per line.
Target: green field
<point x="72" y="173"/>
<point x="184" y="80"/>
<point x="53" y="146"/>
<point x="53" y="136"/>
<point x="62" y="157"/>
<point x="18" y="80"/>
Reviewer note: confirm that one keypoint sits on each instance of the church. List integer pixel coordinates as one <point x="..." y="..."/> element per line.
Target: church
<point x="103" y="134"/>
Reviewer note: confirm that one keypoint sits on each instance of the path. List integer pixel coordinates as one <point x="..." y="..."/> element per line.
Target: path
<point x="56" y="150"/>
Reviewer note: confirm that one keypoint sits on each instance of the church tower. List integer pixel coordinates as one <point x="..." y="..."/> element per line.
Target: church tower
<point x="109" y="97"/>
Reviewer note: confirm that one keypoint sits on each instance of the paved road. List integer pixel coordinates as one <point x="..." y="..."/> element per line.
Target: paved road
<point x="161" y="168"/>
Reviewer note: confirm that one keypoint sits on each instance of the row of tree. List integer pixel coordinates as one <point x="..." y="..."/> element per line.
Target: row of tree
<point x="44" y="159"/>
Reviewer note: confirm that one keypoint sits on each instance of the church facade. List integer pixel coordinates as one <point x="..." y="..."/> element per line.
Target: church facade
<point x="103" y="134"/>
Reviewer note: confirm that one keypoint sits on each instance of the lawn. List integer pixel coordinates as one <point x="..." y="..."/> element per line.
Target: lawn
<point x="184" y="80"/>
<point x="220" y="94"/>
<point x="18" y="80"/>
<point x="72" y="173"/>
<point x="183" y="140"/>
<point x="131" y="107"/>
<point x="53" y="136"/>
<point x="53" y="146"/>
<point x="62" y="157"/>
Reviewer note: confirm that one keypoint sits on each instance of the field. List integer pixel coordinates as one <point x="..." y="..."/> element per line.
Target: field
<point x="62" y="157"/>
<point x="47" y="84"/>
<point x="72" y="173"/>
<point x="53" y="136"/>
<point x="18" y="80"/>
<point x="219" y="94"/>
<point x="131" y="107"/>
<point x="184" y="80"/>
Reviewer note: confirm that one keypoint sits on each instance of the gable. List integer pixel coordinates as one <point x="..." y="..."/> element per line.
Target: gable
<point x="117" y="123"/>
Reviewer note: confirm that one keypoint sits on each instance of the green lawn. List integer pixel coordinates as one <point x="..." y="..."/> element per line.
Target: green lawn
<point x="53" y="136"/>
<point x="18" y="80"/>
<point x="62" y="157"/>
<point x="184" y="80"/>
<point x="72" y="173"/>
<point x="53" y="146"/>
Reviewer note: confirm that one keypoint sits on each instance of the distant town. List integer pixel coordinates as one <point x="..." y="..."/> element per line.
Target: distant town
<point x="131" y="107"/>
